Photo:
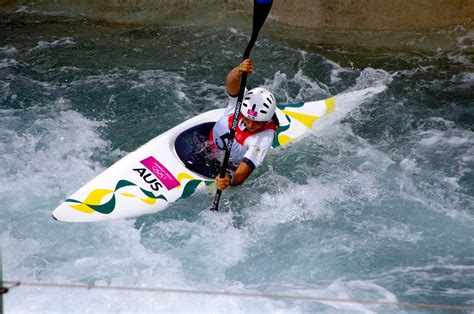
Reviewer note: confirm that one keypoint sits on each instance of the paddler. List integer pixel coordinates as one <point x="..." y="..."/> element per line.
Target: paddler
<point x="255" y="128"/>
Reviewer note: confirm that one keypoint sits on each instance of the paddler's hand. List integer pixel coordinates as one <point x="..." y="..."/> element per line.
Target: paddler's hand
<point x="235" y="75"/>
<point x="246" y="66"/>
<point x="222" y="183"/>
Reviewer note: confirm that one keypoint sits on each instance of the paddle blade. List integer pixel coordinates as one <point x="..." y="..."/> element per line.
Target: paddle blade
<point x="261" y="8"/>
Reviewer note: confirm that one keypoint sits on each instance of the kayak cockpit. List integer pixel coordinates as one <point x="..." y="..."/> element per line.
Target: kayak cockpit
<point x="192" y="148"/>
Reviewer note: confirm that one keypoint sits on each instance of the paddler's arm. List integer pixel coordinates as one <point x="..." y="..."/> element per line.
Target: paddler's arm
<point x="234" y="76"/>
<point x="240" y="175"/>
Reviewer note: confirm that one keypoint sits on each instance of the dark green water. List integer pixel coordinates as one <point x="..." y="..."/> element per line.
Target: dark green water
<point x="377" y="206"/>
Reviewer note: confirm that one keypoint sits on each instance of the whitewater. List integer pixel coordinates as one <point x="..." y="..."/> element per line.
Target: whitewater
<point x="377" y="204"/>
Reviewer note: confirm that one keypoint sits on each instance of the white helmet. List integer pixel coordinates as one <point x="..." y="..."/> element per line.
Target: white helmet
<point x="258" y="105"/>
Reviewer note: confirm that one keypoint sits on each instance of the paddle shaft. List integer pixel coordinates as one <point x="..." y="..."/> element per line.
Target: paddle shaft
<point x="261" y="10"/>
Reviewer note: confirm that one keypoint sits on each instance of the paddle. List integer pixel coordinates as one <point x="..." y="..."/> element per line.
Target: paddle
<point x="261" y="8"/>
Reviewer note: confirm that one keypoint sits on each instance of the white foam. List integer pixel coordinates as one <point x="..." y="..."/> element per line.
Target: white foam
<point x="7" y="63"/>
<point x="43" y="45"/>
<point x="337" y="69"/>
<point x="409" y="165"/>
<point x="308" y="89"/>
<point x="447" y="137"/>
<point x="109" y="80"/>
<point x="433" y="272"/>
<point x="69" y="68"/>
<point x="437" y="137"/>
<point x="47" y="151"/>
<point x="9" y="50"/>
<point x="22" y="9"/>
<point x="233" y="30"/>
<point x="210" y="93"/>
<point x="297" y="203"/>
<point x="464" y="77"/>
<point x="291" y="202"/>
<point x="112" y="253"/>
<point x="6" y="90"/>
<point x="181" y="96"/>
<point x="100" y="301"/>
<point x="42" y="162"/>
<point x="239" y="33"/>
<point x="370" y="77"/>
<point x="459" y="58"/>
<point x="346" y="290"/>
<point x="157" y="77"/>
<point x="358" y="290"/>
<point x="396" y="231"/>
<point x="198" y="245"/>
<point x="442" y="189"/>
<point x="346" y="103"/>
<point x="466" y="41"/>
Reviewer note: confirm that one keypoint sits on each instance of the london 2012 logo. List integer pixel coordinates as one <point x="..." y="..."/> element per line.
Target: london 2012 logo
<point x="161" y="172"/>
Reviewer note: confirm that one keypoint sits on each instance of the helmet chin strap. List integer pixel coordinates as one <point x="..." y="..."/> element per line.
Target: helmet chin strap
<point x="245" y="129"/>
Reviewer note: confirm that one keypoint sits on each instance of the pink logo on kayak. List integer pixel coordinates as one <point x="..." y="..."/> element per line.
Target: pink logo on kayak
<point x="160" y="172"/>
<point x="252" y="113"/>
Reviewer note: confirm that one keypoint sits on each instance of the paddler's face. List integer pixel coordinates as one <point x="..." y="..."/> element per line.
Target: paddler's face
<point x="253" y="125"/>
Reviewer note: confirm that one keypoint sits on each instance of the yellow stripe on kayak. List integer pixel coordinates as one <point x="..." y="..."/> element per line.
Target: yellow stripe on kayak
<point x="149" y="200"/>
<point x="184" y="175"/>
<point x="94" y="198"/>
<point x="284" y="139"/>
<point x="82" y="208"/>
<point x="330" y="105"/>
<point x="307" y="120"/>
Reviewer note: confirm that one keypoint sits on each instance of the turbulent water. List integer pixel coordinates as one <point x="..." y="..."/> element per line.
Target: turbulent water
<point x="377" y="205"/>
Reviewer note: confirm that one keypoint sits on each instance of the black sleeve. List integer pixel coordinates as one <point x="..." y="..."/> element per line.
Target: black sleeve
<point x="249" y="163"/>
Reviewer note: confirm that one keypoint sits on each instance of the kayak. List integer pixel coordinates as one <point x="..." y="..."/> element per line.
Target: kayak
<point x="166" y="169"/>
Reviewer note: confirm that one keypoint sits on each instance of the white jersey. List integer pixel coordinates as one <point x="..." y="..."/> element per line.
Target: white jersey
<point x="250" y="147"/>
